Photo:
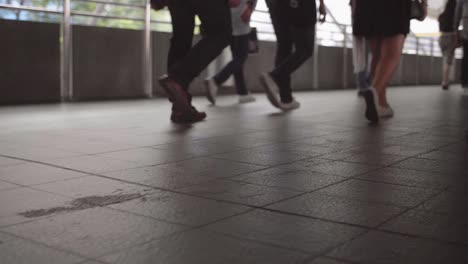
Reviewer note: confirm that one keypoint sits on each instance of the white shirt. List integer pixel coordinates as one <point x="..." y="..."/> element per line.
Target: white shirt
<point x="239" y="27"/>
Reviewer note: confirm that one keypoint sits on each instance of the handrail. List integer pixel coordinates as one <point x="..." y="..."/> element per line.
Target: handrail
<point x="111" y="3"/>
<point x="29" y="8"/>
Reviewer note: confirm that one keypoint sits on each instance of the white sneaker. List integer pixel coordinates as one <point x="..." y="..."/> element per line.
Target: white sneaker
<point x="211" y="90"/>
<point x="271" y="89"/>
<point x="385" y="112"/>
<point x="248" y="98"/>
<point x="290" y="106"/>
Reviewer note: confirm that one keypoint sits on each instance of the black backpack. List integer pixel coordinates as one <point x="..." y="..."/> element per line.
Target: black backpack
<point x="447" y="18"/>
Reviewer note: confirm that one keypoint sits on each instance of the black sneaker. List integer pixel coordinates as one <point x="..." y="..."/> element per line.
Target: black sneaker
<point x="371" y="109"/>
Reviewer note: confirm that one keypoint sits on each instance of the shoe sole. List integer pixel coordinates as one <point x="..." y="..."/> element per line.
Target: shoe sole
<point x="271" y="95"/>
<point x="290" y="108"/>
<point x="209" y="95"/>
<point x="179" y="101"/>
<point x="371" y="109"/>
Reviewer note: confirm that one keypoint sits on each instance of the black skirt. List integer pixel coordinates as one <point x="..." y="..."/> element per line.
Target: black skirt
<point x="374" y="18"/>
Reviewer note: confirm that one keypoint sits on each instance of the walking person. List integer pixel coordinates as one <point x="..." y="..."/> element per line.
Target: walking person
<point x="385" y="25"/>
<point x="461" y="14"/>
<point x="447" y="40"/>
<point x="240" y="17"/>
<point x="186" y="62"/>
<point x="294" y="24"/>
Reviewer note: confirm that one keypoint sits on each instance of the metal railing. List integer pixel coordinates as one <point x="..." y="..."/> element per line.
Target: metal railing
<point x="330" y="33"/>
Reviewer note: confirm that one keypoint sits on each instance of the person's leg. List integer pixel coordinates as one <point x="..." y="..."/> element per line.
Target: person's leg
<point x="183" y="23"/>
<point x="284" y="38"/>
<point x="374" y="46"/>
<point x="360" y="63"/>
<point x="304" y="48"/>
<point x="390" y="54"/>
<point x="464" y="74"/>
<point x="240" y="54"/>
<point x="228" y="69"/>
<point x="216" y="19"/>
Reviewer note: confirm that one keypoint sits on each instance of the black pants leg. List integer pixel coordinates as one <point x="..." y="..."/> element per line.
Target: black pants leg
<point x="240" y="52"/>
<point x="303" y="50"/>
<point x="464" y="68"/>
<point x="284" y="38"/>
<point x="215" y="17"/>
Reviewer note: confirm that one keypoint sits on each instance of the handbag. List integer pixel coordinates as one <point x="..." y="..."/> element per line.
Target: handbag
<point x="253" y="41"/>
<point x="417" y="10"/>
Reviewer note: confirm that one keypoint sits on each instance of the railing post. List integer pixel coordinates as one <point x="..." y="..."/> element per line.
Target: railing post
<point x="345" y="57"/>
<point x="417" y="61"/>
<point x="147" y="59"/>
<point x="316" y="62"/>
<point x="67" y="54"/>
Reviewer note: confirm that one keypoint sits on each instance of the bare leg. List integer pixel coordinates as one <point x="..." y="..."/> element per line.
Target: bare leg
<point x="390" y="54"/>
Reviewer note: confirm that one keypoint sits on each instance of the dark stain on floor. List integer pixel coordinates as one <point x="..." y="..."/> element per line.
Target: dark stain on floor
<point x="82" y="203"/>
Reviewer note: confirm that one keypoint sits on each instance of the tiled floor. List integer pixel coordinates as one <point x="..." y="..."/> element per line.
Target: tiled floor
<point x="116" y="182"/>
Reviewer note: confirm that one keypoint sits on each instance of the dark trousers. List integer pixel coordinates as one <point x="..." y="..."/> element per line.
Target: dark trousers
<point x="289" y="37"/>
<point x="464" y="68"/>
<point x="184" y="61"/>
<point x="240" y="52"/>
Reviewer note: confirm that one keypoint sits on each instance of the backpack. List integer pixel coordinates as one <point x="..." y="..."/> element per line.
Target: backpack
<point x="158" y="4"/>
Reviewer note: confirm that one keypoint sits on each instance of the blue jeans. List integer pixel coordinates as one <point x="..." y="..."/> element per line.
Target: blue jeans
<point x="240" y="52"/>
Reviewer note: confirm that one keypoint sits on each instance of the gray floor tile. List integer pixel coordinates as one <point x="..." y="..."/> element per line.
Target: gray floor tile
<point x="451" y="228"/>
<point x="449" y="202"/>
<point x="241" y="141"/>
<point x="325" y="260"/>
<point x="444" y="156"/>
<point x="7" y="186"/>
<point x="260" y="157"/>
<point x="433" y="165"/>
<point x="292" y="232"/>
<point x="14" y="250"/>
<point x="4" y="161"/>
<point x="182" y="209"/>
<point x="93" y="146"/>
<point x="32" y="173"/>
<point x="36" y="153"/>
<point x="339" y="209"/>
<point x="164" y="176"/>
<point x="211" y="167"/>
<point x="92" y="186"/>
<point x="297" y="148"/>
<point x="404" y="149"/>
<point x="94" y="164"/>
<point x="16" y="201"/>
<point x="384" y="248"/>
<point x="147" y="156"/>
<point x="83" y="232"/>
<point x="377" y="159"/>
<point x="412" y="178"/>
<point x="379" y="193"/>
<point x="201" y="247"/>
<point x="197" y="148"/>
<point x="238" y="192"/>
<point x="343" y="169"/>
<point x="297" y="180"/>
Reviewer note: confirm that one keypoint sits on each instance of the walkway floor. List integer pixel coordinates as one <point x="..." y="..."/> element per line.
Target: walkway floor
<point x="115" y="182"/>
